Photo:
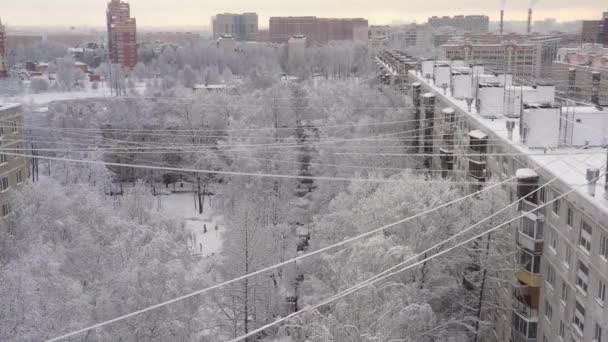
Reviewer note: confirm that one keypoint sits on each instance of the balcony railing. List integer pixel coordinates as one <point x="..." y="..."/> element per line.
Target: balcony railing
<point x="530" y="243"/>
<point x="516" y="336"/>
<point x="477" y="169"/>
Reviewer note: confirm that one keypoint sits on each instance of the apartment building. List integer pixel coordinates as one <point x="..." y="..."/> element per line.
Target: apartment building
<point x="530" y="58"/>
<point x="582" y="73"/>
<point x="243" y="27"/>
<point x="122" y="34"/>
<point x="470" y="23"/>
<point x="3" y="52"/>
<point x="318" y="30"/>
<point x="558" y="287"/>
<point x="13" y="170"/>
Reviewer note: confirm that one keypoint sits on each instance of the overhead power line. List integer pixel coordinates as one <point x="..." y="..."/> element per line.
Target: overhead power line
<point x="299" y="257"/>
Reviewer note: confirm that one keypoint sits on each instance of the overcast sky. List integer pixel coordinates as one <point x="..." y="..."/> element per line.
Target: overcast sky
<point x="172" y="13"/>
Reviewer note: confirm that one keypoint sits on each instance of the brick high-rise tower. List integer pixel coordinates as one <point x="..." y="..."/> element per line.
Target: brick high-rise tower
<point x="122" y="34"/>
<point x="3" y="52"/>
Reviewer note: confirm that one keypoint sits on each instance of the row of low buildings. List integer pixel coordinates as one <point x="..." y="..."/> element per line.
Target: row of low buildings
<point x="477" y="126"/>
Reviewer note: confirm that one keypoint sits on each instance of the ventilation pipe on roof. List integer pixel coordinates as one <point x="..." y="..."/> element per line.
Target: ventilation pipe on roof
<point x="510" y="128"/>
<point x="469" y="103"/>
<point x="592" y="176"/>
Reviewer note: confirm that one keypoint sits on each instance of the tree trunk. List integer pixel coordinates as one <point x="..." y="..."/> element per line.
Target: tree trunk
<point x="200" y="195"/>
<point x="481" y="290"/>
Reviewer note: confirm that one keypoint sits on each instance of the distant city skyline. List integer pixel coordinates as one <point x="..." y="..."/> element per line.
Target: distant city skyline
<point x="195" y="13"/>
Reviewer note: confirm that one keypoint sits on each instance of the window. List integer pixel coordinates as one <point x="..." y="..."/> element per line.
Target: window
<point x="553" y="240"/>
<point x="531" y="228"/>
<point x="542" y="195"/>
<point x="14" y="127"/>
<point x="523" y="326"/>
<point x="597" y="335"/>
<point x="529" y="262"/>
<point x="582" y="276"/>
<point x="6" y="209"/>
<point x="567" y="256"/>
<point x="548" y="311"/>
<point x="4" y="184"/>
<point x="584" y="239"/>
<point x="604" y="247"/>
<point x="556" y="204"/>
<point x="3" y="158"/>
<point x="579" y="317"/>
<point x="564" y="293"/>
<point x="1" y="131"/>
<point x="19" y="176"/>
<point x="570" y="218"/>
<point x="550" y="276"/>
<point x="601" y="291"/>
<point x="562" y="329"/>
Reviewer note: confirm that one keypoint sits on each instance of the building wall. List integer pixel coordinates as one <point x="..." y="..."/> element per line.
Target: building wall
<point x="13" y="169"/>
<point x="592" y="31"/>
<point x="3" y="53"/>
<point x="122" y="34"/>
<point x="243" y="27"/>
<point x="581" y="89"/>
<point x="316" y="30"/>
<point x="470" y="23"/>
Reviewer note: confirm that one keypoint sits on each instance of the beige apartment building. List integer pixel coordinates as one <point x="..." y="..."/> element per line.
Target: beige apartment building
<point x="13" y="170"/>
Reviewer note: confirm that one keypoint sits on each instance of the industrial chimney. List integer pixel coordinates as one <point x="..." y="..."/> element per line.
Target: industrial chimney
<point x="502" y="21"/>
<point x="530" y="20"/>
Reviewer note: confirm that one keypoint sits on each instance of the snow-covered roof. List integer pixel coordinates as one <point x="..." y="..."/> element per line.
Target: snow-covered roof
<point x="7" y="106"/>
<point x="477" y="134"/>
<point x="568" y="164"/>
<point x="525" y="173"/>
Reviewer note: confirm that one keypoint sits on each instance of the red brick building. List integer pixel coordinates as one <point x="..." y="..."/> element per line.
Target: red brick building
<point x="122" y="34"/>
<point x="316" y="30"/>
<point x="3" y="52"/>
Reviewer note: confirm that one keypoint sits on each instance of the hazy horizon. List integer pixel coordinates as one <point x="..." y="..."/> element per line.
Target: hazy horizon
<point x="193" y="13"/>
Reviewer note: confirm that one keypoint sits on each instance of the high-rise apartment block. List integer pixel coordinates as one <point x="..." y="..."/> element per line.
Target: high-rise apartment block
<point x="122" y="34"/>
<point x="13" y="169"/>
<point x="243" y="27"/>
<point x="3" y="52"/>
<point x="318" y="30"/>
<point x="470" y="23"/>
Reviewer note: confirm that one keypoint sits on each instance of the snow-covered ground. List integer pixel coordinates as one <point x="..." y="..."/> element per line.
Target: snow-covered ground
<point x="48" y="97"/>
<point x="182" y="206"/>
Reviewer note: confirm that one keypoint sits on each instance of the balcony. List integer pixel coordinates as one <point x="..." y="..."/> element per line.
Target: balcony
<point x="531" y="233"/>
<point x="477" y="169"/>
<point x="524" y="328"/>
<point x="529" y="268"/>
<point x="447" y="158"/>
<point x="526" y="300"/>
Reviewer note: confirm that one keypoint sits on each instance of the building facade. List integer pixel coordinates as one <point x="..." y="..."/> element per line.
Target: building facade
<point x="3" y="52"/>
<point x="13" y="169"/>
<point x="530" y="58"/>
<point x="243" y="27"/>
<point x="582" y="73"/>
<point x="122" y="34"/>
<point x="470" y="23"/>
<point x="317" y="30"/>
<point x="557" y="289"/>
